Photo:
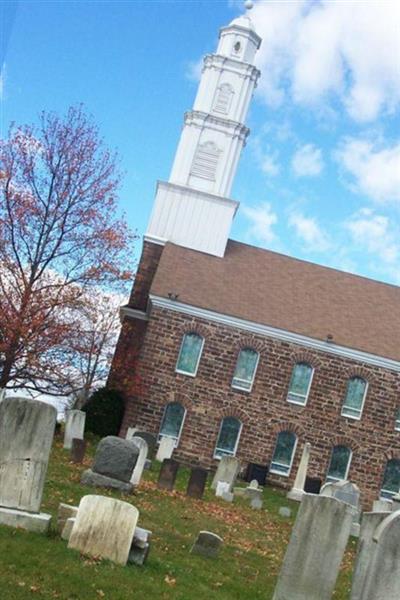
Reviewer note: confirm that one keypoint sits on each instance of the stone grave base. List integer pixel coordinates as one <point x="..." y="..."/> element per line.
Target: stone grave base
<point x="296" y="495"/>
<point x="37" y="522"/>
<point x="89" y="477"/>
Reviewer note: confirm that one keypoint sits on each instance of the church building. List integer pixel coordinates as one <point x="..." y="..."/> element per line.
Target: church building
<point x="236" y="350"/>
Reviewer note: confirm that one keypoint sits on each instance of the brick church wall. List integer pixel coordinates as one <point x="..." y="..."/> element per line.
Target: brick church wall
<point x="264" y="411"/>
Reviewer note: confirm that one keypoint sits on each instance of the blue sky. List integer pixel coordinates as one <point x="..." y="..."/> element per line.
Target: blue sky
<point x="320" y="176"/>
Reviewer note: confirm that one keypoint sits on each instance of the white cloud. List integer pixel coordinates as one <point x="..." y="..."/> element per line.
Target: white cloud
<point x="372" y="232"/>
<point x="309" y="232"/>
<point x="307" y="161"/>
<point x="270" y="165"/>
<point x="262" y="219"/>
<point x="376" y="171"/>
<point x="348" y="50"/>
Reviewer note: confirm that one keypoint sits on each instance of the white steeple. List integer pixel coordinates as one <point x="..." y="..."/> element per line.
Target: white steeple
<point x="193" y="208"/>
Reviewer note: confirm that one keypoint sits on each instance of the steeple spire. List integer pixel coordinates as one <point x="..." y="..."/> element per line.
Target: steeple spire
<point x="193" y="209"/>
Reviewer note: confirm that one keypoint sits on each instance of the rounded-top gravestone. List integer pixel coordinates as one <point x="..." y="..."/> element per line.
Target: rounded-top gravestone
<point x="116" y="458"/>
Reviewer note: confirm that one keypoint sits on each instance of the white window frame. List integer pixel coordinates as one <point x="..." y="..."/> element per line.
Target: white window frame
<point x="236" y="443"/>
<point x="162" y="435"/>
<point x="305" y="398"/>
<point x="356" y="418"/>
<point x="397" y="419"/>
<point x="389" y="493"/>
<point x="180" y="371"/>
<point x="276" y="472"/>
<point x="331" y="479"/>
<point x="238" y="386"/>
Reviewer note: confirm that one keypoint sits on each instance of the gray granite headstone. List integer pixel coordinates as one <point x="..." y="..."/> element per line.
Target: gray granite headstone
<point x="168" y="472"/>
<point x="197" y="483"/>
<point x="315" y="551"/>
<point x="346" y="491"/>
<point x="365" y="550"/>
<point x="151" y="440"/>
<point x="116" y="458"/>
<point x="227" y="470"/>
<point x="383" y="570"/>
<point x="285" y="512"/>
<point x="207" y="544"/>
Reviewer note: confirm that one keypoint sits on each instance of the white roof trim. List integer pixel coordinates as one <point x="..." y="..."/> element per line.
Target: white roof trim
<point x="133" y="313"/>
<point x="279" y="334"/>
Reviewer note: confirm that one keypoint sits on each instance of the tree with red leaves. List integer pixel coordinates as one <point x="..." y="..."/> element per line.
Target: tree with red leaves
<point x="60" y="241"/>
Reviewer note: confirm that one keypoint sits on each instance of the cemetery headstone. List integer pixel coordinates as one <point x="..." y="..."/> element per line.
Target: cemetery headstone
<point x="207" y="544"/>
<point x="26" y="435"/>
<point x="113" y="465"/>
<point x="227" y="470"/>
<point x="78" y="449"/>
<point x="165" y="448"/>
<point x="383" y="570"/>
<point x="151" y="440"/>
<point x="65" y="511"/>
<point x="168" y="472"/>
<point x="256" y="502"/>
<point x="223" y="487"/>
<point x="346" y="491"/>
<point x="141" y="444"/>
<point x="285" y="512"/>
<point x="131" y="431"/>
<point x="227" y="496"/>
<point x="67" y="529"/>
<point x="74" y="426"/>
<point x="104" y="527"/>
<point x="140" y="547"/>
<point x="382" y="506"/>
<point x="396" y="502"/>
<point x="297" y="491"/>
<point x="197" y="483"/>
<point x="327" y="490"/>
<point x="2" y="394"/>
<point x="315" y="551"/>
<point x="365" y="550"/>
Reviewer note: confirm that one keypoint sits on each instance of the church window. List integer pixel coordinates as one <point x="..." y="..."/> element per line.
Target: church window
<point x="300" y="383"/>
<point x="397" y="421"/>
<point x="339" y="464"/>
<point x="228" y="437"/>
<point x="355" y="396"/>
<point x="205" y="161"/>
<point x="223" y="99"/>
<point x="172" y="422"/>
<point x="245" y="370"/>
<point x="391" y="478"/>
<point x="284" y="453"/>
<point x="189" y="354"/>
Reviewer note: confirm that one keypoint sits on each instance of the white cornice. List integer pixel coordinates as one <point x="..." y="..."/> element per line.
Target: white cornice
<point x="132" y="313"/>
<point x="279" y="334"/>
<point x="154" y="239"/>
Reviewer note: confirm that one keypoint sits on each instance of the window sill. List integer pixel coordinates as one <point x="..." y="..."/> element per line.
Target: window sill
<point x="241" y="389"/>
<point x="354" y="418"/>
<point x="279" y="473"/>
<point x="303" y="404"/>
<point x="185" y="373"/>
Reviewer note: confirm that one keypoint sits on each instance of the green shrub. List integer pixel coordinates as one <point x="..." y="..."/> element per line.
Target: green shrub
<point x="104" y="412"/>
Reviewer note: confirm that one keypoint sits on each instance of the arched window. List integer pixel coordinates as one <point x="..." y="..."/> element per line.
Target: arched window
<point x="355" y="397"/>
<point x="228" y="437"/>
<point x="223" y="99"/>
<point x="172" y="422"/>
<point x="189" y="354"/>
<point x="245" y="370"/>
<point x="300" y="383"/>
<point x="391" y="478"/>
<point x="339" y="464"/>
<point x="284" y="453"/>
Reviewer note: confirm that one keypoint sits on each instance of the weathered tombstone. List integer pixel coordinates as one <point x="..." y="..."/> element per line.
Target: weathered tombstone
<point x="151" y="440"/>
<point x="252" y="490"/>
<point x="228" y="470"/>
<point x="26" y="435"/>
<point x="315" y="550"/>
<point x="297" y="491"/>
<point x="227" y="496"/>
<point x="327" y="490"/>
<point x="168" y="472"/>
<point x="2" y="394"/>
<point x="382" y="506"/>
<point x="256" y="502"/>
<point x="67" y="529"/>
<point x="197" y="483"/>
<point x="346" y="491"/>
<point x="141" y="444"/>
<point x="131" y="433"/>
<point x="165" y="448"/>
<point x="396" y="502"/>
<point x="65" y="511"/>
<point x="74" y="426"/>
<point x="207" y="544"/>
<point x="113" y="465"/>
<point x="285" y="512"/>
<point x="365" y="550"/>
<point x="223" y="487"/>
<point x="140" y="547"/>
<point x="104" y="527"/>
<point x="383" y="570"/>
<point x="78" y="449"/>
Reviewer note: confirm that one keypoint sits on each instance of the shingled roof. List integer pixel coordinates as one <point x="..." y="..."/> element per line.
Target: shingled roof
<point x="285" y="293"/>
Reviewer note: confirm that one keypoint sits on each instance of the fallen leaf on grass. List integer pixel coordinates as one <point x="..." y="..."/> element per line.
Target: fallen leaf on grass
<point x="170" y="580"/>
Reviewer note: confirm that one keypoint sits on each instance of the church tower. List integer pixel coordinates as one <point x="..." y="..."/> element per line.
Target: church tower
<point x="193" y="208"/>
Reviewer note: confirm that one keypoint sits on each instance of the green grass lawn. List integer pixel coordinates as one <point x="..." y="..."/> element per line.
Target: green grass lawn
<point x="34" y="565"/>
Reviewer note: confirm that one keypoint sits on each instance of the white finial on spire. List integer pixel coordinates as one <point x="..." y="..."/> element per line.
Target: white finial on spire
<point x="248" y="5"/>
